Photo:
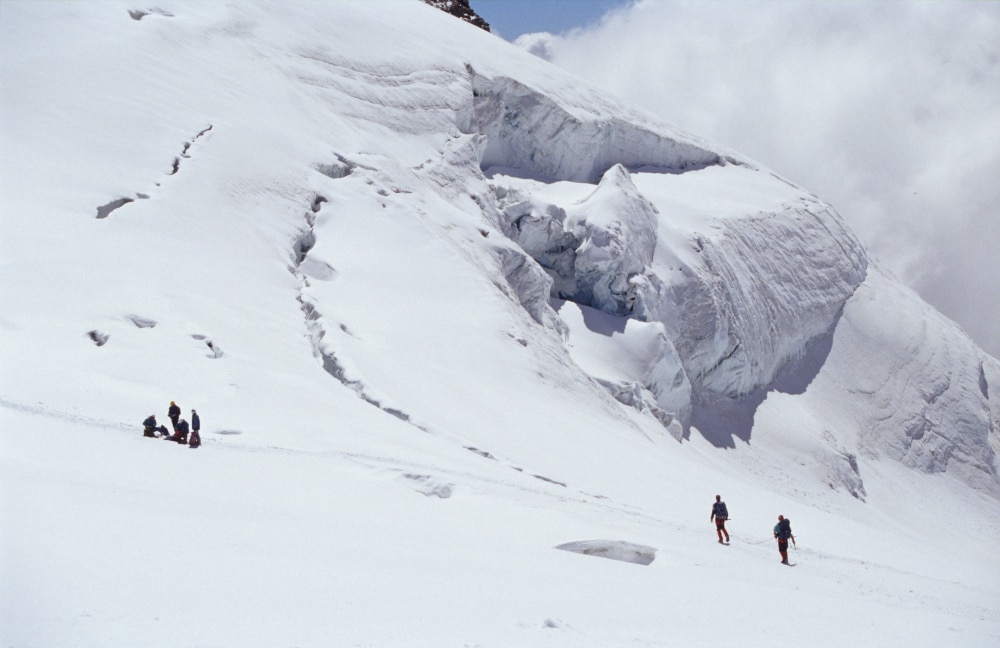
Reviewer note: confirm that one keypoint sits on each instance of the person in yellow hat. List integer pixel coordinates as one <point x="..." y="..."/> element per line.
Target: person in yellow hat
<point x="174" y="412"/>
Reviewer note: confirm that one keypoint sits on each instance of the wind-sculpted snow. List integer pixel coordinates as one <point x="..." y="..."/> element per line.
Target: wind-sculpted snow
<point x="635" y="361"/>
<point x="918" y="385"/>
<point x="616" y="229"/>
<point x="740" y="292"/>
<point x="594" y="253"/>
<point x="989" y="383"/>
<point x="530" y="131"/>
<point x="767" y="286"/>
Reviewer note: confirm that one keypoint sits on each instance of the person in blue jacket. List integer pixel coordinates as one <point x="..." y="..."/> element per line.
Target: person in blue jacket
<point x="782" y="532"/>
<point x="195" y="430"/>
<point x="182" y="432"/>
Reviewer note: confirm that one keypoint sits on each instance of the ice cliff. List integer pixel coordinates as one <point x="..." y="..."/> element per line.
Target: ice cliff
<point x="742" y="276"/>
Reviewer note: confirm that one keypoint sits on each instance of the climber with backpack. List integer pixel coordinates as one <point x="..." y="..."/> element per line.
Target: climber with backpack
<point x="195" y="430"/>
<point x="782" y="532"/>
<point x="720" y="514"/>
<point x="181" y="436"/>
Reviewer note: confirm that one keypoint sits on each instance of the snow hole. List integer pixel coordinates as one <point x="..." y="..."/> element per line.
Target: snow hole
<point x="613" y="549"/>
<point x="339" y="169"/>
<point x="138" y="14"/>
<point x="430" y="487"/>
<point x="141" y="322"/>
<point x="216" y="352"/>
<point x="105" y="210"/>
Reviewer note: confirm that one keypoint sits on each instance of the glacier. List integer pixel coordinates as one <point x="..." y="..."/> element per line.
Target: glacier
<point x="384" y="252"/>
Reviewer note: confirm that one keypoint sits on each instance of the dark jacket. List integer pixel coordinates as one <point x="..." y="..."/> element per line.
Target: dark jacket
<point x="196" y="422"/>
<point x="174" y="412"/>
<point x="783" y="529"/>
<point x="150" y="422"/>
<point x="719" y="511"/>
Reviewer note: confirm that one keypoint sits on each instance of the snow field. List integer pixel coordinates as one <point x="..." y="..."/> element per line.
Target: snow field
<point x="400" y="427"/>
<point x="146" y="541"/>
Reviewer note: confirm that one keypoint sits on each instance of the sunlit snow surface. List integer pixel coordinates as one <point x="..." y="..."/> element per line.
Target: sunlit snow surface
<point x="443" y="309"/>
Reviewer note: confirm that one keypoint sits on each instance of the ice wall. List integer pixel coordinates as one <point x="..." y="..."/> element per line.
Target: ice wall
<point x="738" y="296"/>
<point x="530" y="131"/>
<point x="759" y="286"/>
<point x="764" y="288"/>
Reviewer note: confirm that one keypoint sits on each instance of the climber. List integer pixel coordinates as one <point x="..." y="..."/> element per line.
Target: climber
<point x="720" y="514"/>
<point x="149" y="426"/>
<point x="174" y="413"/>
<point x="782" y="532"/>
<point x="195" y="430"/>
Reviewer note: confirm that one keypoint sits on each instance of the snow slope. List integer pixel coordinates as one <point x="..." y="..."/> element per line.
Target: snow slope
<point x="443" y="308"/>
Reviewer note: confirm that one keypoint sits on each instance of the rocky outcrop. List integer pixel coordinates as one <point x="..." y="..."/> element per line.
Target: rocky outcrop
<point x="460" y="9"/>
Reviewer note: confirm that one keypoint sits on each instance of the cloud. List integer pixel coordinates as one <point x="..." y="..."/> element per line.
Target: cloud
<point x="888" y="110"/>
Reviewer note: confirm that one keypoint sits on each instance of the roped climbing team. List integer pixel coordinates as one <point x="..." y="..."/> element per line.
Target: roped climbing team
<point x="782" y="530"/>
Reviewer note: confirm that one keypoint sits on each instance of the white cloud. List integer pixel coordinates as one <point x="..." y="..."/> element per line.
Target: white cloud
<point x="888" y="110"/>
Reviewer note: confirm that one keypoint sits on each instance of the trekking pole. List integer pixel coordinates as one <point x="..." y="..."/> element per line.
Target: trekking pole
<point x="795" y="546"/>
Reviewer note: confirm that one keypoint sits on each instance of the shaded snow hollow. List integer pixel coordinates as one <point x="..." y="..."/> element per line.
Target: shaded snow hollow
<point x="613" y="549"/>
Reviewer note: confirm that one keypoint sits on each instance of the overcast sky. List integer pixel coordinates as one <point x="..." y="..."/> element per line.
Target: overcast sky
<point x="888" y="110"/>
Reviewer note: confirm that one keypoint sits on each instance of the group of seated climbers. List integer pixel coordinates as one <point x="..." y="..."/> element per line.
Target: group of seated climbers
<point x="181" y="427"/>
